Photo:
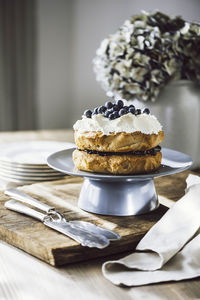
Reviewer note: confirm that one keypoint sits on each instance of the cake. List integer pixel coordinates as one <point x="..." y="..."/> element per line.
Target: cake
<point x="118" y="139"/>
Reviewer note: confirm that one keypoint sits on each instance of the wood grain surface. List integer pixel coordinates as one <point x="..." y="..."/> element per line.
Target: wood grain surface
<point x="56" y="249"/>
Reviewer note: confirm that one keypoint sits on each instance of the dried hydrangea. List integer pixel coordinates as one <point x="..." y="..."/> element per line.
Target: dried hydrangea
<point x="187" y="45"/>
<point x="145" y="53"/>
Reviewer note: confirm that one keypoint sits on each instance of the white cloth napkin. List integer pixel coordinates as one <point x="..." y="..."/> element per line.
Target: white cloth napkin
<point x="171" y="248"/>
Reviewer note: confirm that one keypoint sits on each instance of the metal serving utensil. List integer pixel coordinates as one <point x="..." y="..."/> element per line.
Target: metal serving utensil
<point x="58" y="223"/>
<point x="52" y="215"/>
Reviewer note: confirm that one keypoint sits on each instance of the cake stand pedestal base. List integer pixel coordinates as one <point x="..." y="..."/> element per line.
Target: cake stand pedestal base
<point x="125" y="198"/>
<point x="120" y="195"/>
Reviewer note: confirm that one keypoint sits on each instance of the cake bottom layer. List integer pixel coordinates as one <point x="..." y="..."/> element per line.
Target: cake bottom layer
<point x="115" y="163"/>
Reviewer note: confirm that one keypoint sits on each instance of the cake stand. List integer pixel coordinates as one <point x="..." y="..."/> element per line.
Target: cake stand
<point x="119" y="195"/>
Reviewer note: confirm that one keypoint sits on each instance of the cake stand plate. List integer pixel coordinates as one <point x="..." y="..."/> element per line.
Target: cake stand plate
<point x="119" y="195"/>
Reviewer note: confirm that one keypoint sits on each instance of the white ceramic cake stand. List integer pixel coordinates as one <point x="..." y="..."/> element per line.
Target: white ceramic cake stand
<point x="119" y="195"/>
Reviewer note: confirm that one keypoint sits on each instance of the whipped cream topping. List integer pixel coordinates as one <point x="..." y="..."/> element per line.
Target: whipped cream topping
<point x="129" y="123"/>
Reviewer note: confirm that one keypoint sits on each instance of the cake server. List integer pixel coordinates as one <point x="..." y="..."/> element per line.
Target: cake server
<point x="90" y="227"/>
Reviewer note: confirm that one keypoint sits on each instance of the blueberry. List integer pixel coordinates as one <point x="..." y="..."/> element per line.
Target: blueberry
<point x="131" y="106"/>
<point x="138" y="112"/>
<point x="111" y="116"/>
<point x="116" y="114"/>
<point x="125" y="108"/>
<point x="131" y="110"/>
<point x="101" y="109"/>
<point x="122" y="112"/>
<point x="107" y="113"/>
<point x="108" y="104"/>
<point x="120" y="103"/>
<point x="95" y="111"/>
<point x="88" y="113"/>
<point x="115" y="107"/>
<point x="146" y="111"/>
<point x="111" y="110"/>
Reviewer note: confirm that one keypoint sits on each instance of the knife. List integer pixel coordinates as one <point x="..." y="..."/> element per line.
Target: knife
<point x="55" y="221"/>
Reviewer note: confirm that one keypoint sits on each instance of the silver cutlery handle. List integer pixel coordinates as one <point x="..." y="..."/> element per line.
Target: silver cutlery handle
<point x="21" y="208"/>
<point x="21" y="196"/>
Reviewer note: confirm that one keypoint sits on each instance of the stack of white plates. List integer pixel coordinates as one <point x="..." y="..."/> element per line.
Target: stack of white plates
<point x="25" y="162"/>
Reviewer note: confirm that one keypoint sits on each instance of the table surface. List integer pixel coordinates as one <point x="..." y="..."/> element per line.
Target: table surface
<point x="27" y="278"/>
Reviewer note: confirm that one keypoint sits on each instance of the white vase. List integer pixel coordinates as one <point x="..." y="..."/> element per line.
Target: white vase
<point x="178" y="109"/>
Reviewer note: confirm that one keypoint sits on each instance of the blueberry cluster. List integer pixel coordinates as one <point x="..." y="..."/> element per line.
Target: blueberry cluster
<point x="115" y="110"/>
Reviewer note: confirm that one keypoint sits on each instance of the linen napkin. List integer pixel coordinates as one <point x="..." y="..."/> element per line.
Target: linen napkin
<point x="171" y="248"/>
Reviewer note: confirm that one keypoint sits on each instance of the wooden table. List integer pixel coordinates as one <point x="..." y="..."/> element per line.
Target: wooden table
<point x="27" y="278"/>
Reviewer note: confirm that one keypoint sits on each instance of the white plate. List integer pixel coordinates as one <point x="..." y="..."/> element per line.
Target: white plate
<point x="20" y="178"/>
<point x="8" y="180"/>
<point x="36" y="176"/>
<point x="30" y="152"/>
<point x="16" y="166"/>
<point x="27" y="171"/>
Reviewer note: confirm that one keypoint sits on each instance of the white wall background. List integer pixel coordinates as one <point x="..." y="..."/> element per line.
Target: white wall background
<point x="69" y="32"/>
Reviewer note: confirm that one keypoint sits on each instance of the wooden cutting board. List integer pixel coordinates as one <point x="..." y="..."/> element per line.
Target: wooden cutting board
<point x="57" y="249"/>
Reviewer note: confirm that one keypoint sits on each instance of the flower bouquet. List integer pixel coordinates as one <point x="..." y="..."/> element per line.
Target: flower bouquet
<point x="147" y="52"/>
